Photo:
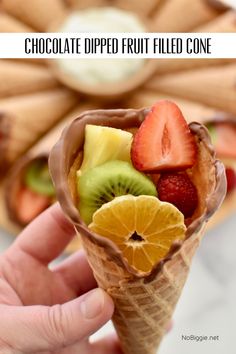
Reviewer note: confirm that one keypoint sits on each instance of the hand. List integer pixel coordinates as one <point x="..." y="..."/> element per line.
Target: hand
<point x="50" y="310"/>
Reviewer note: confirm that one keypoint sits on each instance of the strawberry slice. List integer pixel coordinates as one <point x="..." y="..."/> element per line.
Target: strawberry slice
<point x="163" y="141"/>
<point x="30" y="205"/>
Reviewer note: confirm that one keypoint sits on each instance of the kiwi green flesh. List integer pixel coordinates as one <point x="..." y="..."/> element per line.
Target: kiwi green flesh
<point x="212" y="131"/>
<point x="37" y="178"/>
<point x="103" y="183"/>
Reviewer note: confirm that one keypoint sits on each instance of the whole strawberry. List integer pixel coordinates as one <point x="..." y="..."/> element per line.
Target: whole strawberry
<point x="178" y="189"/>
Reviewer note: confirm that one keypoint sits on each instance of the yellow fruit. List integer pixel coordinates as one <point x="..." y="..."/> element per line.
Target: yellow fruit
<point x="103" y="144"/>
<point x="143" y="227"/>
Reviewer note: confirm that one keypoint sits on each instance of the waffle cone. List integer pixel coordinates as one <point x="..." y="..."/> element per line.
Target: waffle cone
<point x="144" y="302"/>
<point x="213" y="86"/>
<point x="39" y="152"/>
<point x="24" y="119"/>
<point x="18" y="78"/>
<point x="39" y="14"/>
<point x="140" y="7"/>
<point x="143" y="309"/>
<point x="223" y="24"/>
<point x="192" y="111"/>
<point x="9" y="204"/>
<point x="143" y="8"/>
<point x="226" y="22"/>
<point x="180" y="16"/>
<point x="9" y="24"/>
<point x="166" y="66"/>
<point x="81" y="4"/>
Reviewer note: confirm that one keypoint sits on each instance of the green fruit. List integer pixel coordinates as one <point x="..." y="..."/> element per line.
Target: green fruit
<point x="37" y="178"/>
<point x="213" y="133"/>
<point x="103" y="183"/>
<point x="103" y="144"/>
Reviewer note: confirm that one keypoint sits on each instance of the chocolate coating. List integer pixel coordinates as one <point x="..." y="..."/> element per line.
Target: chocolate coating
<point x="71" y="143"/>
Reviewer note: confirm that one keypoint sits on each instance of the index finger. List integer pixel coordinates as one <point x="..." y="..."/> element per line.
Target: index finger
<point x="47" y="236"/>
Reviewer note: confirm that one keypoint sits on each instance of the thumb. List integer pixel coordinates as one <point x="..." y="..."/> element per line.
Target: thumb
<point x="40" y="328"/>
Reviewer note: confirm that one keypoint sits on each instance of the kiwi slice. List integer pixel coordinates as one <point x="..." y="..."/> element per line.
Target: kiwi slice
<point x="212" y="131"/>
<point x="103" y="183"/>
<point x="37" y="178"/>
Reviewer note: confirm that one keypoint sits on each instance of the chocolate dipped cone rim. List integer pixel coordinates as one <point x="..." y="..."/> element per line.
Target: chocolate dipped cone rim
<point x="71" y="143"/>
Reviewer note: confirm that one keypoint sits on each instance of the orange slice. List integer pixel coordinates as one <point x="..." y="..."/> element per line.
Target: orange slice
<point x="143" y="227"/>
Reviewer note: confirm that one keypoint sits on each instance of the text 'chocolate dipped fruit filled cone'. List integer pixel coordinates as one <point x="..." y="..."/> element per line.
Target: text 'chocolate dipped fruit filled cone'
<point x="120" y="176"/>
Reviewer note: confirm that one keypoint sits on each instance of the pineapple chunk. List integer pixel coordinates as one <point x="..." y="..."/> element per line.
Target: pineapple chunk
<point x="103" y="144"/>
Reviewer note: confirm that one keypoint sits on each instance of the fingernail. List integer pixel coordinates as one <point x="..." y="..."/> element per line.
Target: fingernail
<point x="92" y="304"/>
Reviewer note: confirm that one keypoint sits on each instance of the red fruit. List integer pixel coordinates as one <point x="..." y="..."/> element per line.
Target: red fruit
<point x="231" y="179"/>
<point x="30" y="204"/>
<point x="163" y="141"/>
<point x="225" y="140"/>
<point x="178" y="190"/>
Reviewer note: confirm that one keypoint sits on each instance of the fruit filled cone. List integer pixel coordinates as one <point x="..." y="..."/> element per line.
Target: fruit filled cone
<point x="38" y="14"/>
<point x="180" y="16"/>
<point x="213" y="86"/>
<point x="19" y="78"/>
<point x="27" y="189"/>
<point x="222" y="24"/>
<point x="24" y="119"/>
<point x="144" y="301"/>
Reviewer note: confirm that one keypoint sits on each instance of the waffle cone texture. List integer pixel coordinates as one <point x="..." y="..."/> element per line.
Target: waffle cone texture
<point x="143" y="308"/>
<point x="144" y="302"/>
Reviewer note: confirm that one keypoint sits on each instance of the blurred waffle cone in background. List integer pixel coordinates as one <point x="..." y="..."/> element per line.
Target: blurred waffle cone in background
<point x="184" y="15"/>
<point x="166" y="66"/>
<point x="18" y="78"/>
<point x="14" y="203"/>
<point x="213" y="86"/>
<point x="144" y="8"/>
<point x="38" y="14"/>
<point x="223" y="23"/>
<point x="15" y="181"/>
<point x="9" y="24"/>
<point x="82" y="4"/>
<point x="192" y="111"/>
<point x="24" y="119"/>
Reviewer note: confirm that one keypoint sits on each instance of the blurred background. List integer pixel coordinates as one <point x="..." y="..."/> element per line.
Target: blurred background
<point x="38" y="98"/>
